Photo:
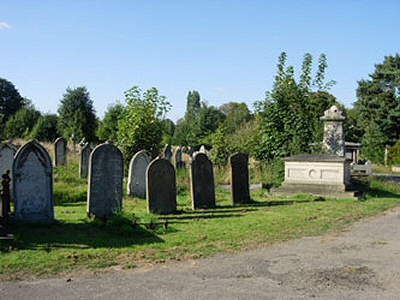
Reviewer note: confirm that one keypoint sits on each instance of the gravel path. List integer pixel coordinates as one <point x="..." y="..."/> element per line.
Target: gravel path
<point x="361" y="263"/>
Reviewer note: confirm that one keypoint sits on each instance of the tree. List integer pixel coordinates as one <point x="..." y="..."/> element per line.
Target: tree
<point x="374" y="144"/>
<point x="108" y="127"/>
<point x="21" y="124"/>
<point x="235" y="115"/>
<point x="289" y="116"/>
<point x="77" y="116"/>
<point x="378" y="99"/>
<point x="10" y="100"/>
<point x="140" y="126"/>
<point x="46" y="129"/>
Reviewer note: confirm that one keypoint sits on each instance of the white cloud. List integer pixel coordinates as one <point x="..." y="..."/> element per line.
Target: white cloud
<point x="4" y="25"/>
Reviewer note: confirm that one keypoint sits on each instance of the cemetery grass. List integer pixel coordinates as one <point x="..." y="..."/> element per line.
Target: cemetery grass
<point x="77" y="245"/>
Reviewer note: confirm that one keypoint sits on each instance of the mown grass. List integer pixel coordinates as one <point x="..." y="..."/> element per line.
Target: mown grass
<point x="76" y="244"/>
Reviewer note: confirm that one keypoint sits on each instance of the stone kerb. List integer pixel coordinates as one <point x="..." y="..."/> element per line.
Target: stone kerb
<point x="60" y="152"/>
<point x="137" y="175"/>
<point x="202" y="182"/>
<point x="105" y="182"/>
<point x="161" y="187"/>
<point x="33" y="184"/>
<point x="240" y="188"/>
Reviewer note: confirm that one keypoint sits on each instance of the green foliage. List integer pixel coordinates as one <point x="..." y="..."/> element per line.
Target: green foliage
<point x="21" y="124"/>
<point x="289" y="117"/>
<point x="235" y="115"/>
<point x="394" y="154"/>
<point x="168" y="127"/>
<point x="77" y="116"/>
<point x="373" y="144"/>
<point x="108" y="127"/>
<point x="10" y="100"/>
<point x="46" y="128"/>
<point x="378" y="99"/>
<point x="140" y="126"/>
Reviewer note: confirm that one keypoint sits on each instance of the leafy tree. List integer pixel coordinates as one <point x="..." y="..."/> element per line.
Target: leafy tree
<point x="21" y="124"/>
<point x="378" y="99"/>
<point x="108" y="127"/>
<point x="10" y="100"/>
<point x="140" y="126"/>
<point x="77" y="115"/>
<point x="289" y="116"/>
<point x="374" y="144"/>
<point x="235" y="115"/>
<point x="46" y="128"/>
<point x="168" y="131"/>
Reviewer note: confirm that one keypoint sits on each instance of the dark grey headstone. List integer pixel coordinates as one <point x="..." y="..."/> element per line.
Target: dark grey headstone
<point x="84" y="154"/>
<point x="240" y="191"/>
<point x="60" y="152"/>
<point x="137" y="175"/>
<point x="106" y="172"/>
<point x="7" y="152"/>
<point x="33" y="184"/>
<point x="202" y="181"/>
<point x="167" y="153"/>
<point x="161" y="187"/>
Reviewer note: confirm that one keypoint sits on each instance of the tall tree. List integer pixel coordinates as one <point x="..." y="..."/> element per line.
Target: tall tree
<point x="378" y="99"/>
<point x="21" y="124"/>
<point x="108" y="127"/>
<point x="140" y="126"/>
<point x="10" y="100"/>
<point x="235" y="115"/>
<point x="77" y="116"/>
<point x="45" y="129"/>
<point x="289" y="116"/>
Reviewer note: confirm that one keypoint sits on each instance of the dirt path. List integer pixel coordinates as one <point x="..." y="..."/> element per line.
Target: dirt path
<point x="362" y="263"/>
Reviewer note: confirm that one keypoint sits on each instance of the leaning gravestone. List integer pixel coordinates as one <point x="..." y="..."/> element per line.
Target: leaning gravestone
<point x="137" y="175"/>
<point x="161" y="187"/>
<point x="106" y="173"/>
<point x="33" y="184"/>
<point x="167" y="153"/>
<point x="60" y="152"/>
<point x="202" y="182"/>
<point x="84" y="154"/>
<point x="240" y="191"/>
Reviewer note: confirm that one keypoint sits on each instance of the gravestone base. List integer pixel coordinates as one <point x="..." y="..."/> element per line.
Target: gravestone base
<point x="322" y="175"/>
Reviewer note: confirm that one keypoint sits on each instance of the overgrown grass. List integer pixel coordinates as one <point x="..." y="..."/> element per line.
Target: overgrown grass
<point x="76" y="244"/>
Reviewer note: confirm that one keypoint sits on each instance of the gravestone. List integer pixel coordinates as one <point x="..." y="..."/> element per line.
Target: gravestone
<point x="334" y="139"/>
<point x="33" y="184"/>
<point x="60" y="152"/>
<point x="240" y="191"/>
<point x="137" y="175"/>
<point x="167" y="153"/>
<point x="202" y="181"/>
<point x="84" y="154"/>
<point x="179" y="163"/>
<point x="5" y="198"/>
<point x="161" y="187"/>
<point x="7" y="152"/>
<point x="106" y="173"/>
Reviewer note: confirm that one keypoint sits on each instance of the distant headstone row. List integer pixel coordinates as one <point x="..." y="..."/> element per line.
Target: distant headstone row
<point x="32" y="179"/>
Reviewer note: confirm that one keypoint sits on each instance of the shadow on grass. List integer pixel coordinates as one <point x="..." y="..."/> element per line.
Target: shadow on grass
<point x="82" y="235"/>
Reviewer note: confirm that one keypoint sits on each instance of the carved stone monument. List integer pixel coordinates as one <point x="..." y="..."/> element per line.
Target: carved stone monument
<point x="106" y="173"/>
<point x="161" y="187"/>
<point x="33" y="184"/>
<point x="202" y="181"/>
<point x="137" y="175"/>
<point x="333" y="141"/>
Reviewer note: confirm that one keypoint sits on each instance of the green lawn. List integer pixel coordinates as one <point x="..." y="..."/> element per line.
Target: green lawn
<point x="75" y="243"/>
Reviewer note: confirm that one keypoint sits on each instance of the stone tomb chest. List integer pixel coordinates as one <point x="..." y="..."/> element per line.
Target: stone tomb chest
<point x="316" y="174"/>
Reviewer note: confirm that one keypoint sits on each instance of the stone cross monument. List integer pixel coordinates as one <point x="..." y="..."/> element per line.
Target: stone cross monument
<point x="333" y="142"/>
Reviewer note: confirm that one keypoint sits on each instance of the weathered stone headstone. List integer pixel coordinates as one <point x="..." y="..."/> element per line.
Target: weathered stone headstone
<point x="179" y="163"/>
<point x="240" y="190"/>
<point x="60" y="152"/>
<point x="161" y="187"/>
<point x="203" y="149"/>
<point x="334" y="139"/>
<point x="137" y="175"/>
<point x="33" y="184"/>
<point x="7" y="152"/>
<point x="167" y="153"/>
<point x="202" y="182"/>
<point x="106" y="173"/>
<point x="84" y="154"/>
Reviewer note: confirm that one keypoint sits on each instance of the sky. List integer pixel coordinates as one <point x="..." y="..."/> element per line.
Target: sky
<point x="227" y="50"/>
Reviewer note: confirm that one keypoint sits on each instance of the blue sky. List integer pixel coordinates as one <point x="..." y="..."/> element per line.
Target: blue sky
<point x="226" y="50"/>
